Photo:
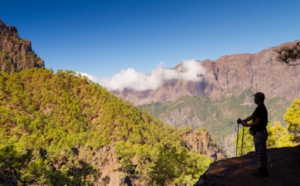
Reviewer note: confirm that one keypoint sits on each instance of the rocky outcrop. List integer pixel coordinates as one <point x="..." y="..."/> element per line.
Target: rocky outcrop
<point x="16" y="54"/>
<point x="229" y="75"/>
<point x="106" y="160"/>
<point x="107" y="164"/>
<point x="201" y="142"/>
<point x="283" y="166"/>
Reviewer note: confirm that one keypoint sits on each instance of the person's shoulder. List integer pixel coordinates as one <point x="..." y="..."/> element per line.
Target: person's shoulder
<point x="261" y="107"/>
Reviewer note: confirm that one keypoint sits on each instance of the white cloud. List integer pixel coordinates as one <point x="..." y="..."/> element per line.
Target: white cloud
<point x="129" y="78"/>
<point x="91" y="77"/>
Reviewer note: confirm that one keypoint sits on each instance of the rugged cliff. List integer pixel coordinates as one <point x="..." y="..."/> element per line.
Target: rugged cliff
<point x="16" y="54"/>
<point x="201" y="142"/>
<point x="227" y="76"/>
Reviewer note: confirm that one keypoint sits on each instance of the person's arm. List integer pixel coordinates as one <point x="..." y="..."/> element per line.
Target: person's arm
<point x="248" y="118"/>
<point x="256" y="122"/>
<point x="257" y="115"/>
<point x="239" y="120"/>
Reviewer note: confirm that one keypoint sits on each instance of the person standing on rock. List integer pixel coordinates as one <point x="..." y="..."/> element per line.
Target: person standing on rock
<point x="258" y="128"/>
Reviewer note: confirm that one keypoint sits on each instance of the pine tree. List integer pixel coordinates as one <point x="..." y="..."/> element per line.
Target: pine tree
<point x="279" y="136"/>
<point x="289" y="54"/>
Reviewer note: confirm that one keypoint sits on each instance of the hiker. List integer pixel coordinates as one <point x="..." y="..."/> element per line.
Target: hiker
<point x="259" y="131"/>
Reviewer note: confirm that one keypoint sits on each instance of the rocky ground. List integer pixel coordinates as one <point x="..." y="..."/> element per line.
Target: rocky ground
<point x="284" y="170"/>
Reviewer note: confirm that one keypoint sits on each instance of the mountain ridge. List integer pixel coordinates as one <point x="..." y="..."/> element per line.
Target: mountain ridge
<point x="226" y="76"/>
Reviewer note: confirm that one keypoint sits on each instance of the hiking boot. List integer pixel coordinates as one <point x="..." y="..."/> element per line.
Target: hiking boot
<point x="261" y="173"/>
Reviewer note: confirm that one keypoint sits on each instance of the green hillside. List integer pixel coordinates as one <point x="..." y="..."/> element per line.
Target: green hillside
<point x="54" y="126"/>
<point x="217" y="116"/>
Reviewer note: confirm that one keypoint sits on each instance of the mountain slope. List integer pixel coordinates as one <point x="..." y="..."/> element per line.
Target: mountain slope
<point x="65" y="123"/>
<point x="216" y="116"/>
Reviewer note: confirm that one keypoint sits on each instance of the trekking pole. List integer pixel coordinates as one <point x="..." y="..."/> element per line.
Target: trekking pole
<point x="242" y="148"/>
<point x="237" y="140"/>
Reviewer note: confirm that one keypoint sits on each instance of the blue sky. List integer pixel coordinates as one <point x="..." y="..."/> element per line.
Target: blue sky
<point x="103" y="37"/>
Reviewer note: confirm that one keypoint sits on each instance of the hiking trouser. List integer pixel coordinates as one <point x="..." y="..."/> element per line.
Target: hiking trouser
<point x="260" y="143"/>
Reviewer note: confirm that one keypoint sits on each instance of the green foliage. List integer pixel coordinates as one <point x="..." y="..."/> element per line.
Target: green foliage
<point x="29" y="168"/>
<point x="279" y="136"/>
<point x="177" y="165"/>
<point x="62" y="111"/>
<point x="292" y="117"/>
<point x="16" y="165"/>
